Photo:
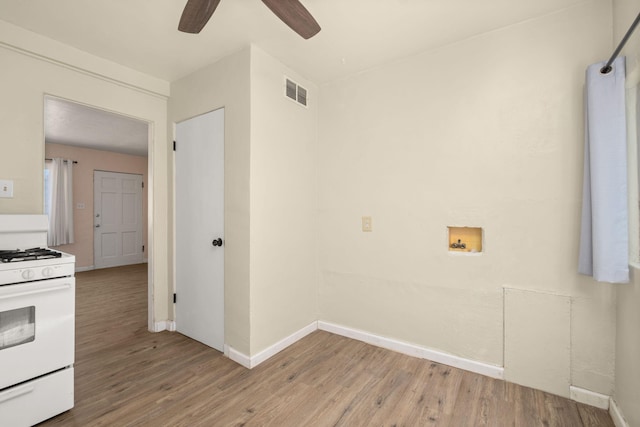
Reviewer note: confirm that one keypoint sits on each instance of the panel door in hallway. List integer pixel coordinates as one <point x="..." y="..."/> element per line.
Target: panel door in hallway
<point x="117" y="219"/>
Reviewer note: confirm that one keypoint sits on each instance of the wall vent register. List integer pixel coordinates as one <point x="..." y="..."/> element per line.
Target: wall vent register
<point x="295" y="92"/>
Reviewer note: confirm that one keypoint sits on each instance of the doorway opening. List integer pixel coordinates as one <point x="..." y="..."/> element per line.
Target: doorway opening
<point x="97" y="139"/>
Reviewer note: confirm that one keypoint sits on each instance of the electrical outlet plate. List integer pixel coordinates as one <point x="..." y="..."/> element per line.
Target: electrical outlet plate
<point x="366" y="223"/>
<point x="6" y="188"/>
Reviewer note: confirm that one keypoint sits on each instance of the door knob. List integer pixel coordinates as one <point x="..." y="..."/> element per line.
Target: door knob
<point x="97" y="225"/>
<point x="217" y="242"/>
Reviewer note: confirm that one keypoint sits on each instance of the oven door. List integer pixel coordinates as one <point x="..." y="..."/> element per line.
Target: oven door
<point x="37" y="321"/>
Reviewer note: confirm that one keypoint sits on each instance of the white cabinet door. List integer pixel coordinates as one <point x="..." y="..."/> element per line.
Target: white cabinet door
<point x="199" y="201"/>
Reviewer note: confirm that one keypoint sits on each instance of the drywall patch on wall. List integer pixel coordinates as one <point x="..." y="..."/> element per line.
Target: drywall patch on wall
<point x="537" y="340"/>
<point x="593" y="336"/>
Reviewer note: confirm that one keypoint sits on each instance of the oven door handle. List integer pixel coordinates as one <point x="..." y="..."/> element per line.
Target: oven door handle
<point x="20" y="391"/>
<point x="36" y="291"/>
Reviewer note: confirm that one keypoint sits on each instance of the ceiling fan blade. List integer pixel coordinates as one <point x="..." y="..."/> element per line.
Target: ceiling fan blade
<point x="196" y="14"/>
<point x="295" y="15"/>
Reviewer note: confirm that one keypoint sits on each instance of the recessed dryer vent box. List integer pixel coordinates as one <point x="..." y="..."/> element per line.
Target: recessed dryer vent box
<point x="465" y="239"/>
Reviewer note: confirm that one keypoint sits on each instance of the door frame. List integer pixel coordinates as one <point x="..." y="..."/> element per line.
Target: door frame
<point x="151" y="143"/>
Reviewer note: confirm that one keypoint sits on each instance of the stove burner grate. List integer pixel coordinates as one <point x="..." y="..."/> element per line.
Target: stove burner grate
<point x="28" y="254"/>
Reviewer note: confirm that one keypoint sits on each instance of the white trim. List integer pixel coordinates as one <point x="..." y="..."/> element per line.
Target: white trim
<point x="164" y="325"/>
<point x="589" y="397"/>
<point x="415" y="350"/>
<point x="616" y="414"/>
<point x="92" y="267"/>
<point x="282" y="344"/>
<point x="252" y="362"/>
<point x="31" y="44"/>
<point x="236" y="356"/>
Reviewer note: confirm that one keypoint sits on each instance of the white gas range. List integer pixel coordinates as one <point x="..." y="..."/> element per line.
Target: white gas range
<point x="37" y="323"/>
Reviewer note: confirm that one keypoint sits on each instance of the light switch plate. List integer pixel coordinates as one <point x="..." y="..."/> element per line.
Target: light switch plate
<point x="6" y="188"/>
<point x="366" y="223"/>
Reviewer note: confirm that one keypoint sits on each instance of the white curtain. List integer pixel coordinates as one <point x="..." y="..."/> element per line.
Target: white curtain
<point x="61" y="207"/>
<point x="604" y="236"/>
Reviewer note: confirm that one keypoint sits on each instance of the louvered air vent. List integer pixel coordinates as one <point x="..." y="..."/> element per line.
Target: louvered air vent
<point x="295" y="92"/>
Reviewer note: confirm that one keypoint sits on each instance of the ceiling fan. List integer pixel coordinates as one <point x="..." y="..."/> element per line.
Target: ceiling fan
<point x="196" y="14"/>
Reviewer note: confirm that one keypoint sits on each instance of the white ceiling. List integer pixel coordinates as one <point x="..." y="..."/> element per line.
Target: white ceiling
<point x="356" y="34"/>
<point x="70" y="123"/>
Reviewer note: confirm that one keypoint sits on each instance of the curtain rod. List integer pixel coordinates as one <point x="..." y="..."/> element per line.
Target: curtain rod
<point x="607" y="68"/>
<point x="75" y="162"/>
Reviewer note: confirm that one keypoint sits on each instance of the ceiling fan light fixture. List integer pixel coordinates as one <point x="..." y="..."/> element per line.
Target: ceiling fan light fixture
<point x="197" y="13"/>
<point x="295" y="15"/>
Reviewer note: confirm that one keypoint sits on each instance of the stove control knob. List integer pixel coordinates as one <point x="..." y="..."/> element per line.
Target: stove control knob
<point x="47" y="272"/>
<point x="28" y="274"/>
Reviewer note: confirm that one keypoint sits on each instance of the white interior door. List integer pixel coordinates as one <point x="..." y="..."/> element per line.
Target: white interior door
<point x="199" y="201"/>
<point x="117" y="211"/>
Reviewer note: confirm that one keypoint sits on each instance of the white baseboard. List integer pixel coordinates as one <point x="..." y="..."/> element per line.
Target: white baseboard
<point x="589" y="397"/>
<point x="253" y="361"/>
<point x="578" y="394"/>
<point x="92" y="267"/>
<point x="164" y="325"/>
<point x="616" y="414"/>
<point x="236" y="356"/>
<point x="415" y="350"/>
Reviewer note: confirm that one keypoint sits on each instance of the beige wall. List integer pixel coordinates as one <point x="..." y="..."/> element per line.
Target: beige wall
<point x="284" y="200"/>
<point x="486" y="132"/>
<point x="225" y="84"/>
<point x="270" y="194"/>
<point x="27" y="74"/>
<point x="89" y="161"/>
<point x="627" y="384"/>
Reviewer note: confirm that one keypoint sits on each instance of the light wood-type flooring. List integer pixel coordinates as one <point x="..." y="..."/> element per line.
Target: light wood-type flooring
<point x="127" y="376"/>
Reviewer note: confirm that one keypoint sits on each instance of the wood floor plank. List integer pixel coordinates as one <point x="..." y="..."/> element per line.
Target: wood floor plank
<point x="593" y="417"/>
<point x="127" y="376"/>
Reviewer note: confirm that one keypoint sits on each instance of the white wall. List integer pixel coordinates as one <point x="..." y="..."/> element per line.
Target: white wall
<point x="486" y="132"/>
<point x="270" y="194"/>
<point x="285" y="291"/>
<point x="627" y="384"/>
<point x="284" y="200"/>
<point x="33" y="66"/>
<point x="225" y="84"/>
